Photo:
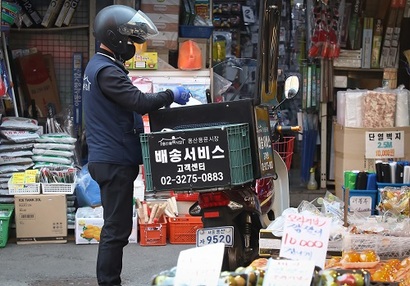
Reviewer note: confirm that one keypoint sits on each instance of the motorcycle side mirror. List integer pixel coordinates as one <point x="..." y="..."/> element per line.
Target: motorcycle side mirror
<point x="291" y="86"/>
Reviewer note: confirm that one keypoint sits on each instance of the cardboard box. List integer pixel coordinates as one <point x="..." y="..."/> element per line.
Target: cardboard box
<point x="156" y="6"/>
<point x="165" y="15"/>
<point x="146" y="61"/>
<point x="167" y="40"/>
<point x="41" y="218"/>
<point x="350" y="147"/>
<point x="87" y="229"/>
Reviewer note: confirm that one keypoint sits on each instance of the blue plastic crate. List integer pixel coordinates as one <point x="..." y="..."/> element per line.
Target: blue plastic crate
<point x="163" y="170"/>
<point x="363" y="200"/>
<point x="203" y="32"/>
<point x="382" y="185"/>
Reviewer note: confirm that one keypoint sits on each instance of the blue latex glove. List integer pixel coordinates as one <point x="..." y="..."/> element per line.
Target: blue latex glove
<point x="181" y="95"/>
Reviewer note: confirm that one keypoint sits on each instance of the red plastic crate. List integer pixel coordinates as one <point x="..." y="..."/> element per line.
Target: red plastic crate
<point x="153" y="234"/>
<point x="185" y="196"/>
<point x="182" y="229"/>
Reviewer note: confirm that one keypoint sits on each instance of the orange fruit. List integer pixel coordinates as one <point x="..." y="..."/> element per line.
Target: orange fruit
<point x="368" y="256"/>
<point x="351" y="256"/>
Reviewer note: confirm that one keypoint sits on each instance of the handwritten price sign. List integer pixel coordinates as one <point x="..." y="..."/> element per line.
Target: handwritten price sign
<point x="288" y="272"/>
<point x="305" y="237"/>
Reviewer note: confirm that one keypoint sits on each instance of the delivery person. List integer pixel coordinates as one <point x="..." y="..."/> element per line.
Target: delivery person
<point x="113" y="107"/>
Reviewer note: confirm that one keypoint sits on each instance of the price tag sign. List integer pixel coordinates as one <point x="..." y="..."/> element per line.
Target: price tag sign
<point x="288" y="272"/>
<point x="200" y="265"/>
<point x="361" y="204"/>
<point x="384" y="144"/>
<point x="305" y="237"/>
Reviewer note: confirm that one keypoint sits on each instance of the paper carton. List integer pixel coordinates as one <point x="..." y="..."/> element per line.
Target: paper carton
<point x="41" y="218"/>
<point x="87" y="229"/>
<point x="350" y="149"/>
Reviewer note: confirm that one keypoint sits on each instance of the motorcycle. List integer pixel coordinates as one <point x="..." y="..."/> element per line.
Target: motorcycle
<point x="232" y="213"/>
<point x="236" y="215"/>
<point x="235" y="200"/>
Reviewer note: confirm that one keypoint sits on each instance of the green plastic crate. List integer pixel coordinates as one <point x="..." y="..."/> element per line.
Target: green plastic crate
<point x="240" y="156"/>
<point x="6" y="210"/>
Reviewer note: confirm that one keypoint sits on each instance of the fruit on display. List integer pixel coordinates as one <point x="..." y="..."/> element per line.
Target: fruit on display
<point x="367" y="255"/>
<point x="165" y="278"/>
<point x="251" y="275"/>
<point x="339" y="277"/>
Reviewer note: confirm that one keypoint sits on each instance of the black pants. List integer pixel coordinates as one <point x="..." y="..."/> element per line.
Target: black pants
<point x="116" y="186"/>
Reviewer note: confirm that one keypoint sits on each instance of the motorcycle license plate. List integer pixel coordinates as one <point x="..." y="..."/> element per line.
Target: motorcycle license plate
<point x="212" y="235"/>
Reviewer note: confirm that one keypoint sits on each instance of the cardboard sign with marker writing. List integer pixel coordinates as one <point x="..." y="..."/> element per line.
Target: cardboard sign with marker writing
<point x="305" y="237"/>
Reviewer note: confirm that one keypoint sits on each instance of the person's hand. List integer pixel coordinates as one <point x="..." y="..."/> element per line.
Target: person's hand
<point x="181" y="95"/>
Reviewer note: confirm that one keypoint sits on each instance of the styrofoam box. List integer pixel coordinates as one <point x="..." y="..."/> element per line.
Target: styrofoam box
<point x="87" y="230"/>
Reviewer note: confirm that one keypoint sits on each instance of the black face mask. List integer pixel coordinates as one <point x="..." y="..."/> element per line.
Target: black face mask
<point x="129" y="53"/>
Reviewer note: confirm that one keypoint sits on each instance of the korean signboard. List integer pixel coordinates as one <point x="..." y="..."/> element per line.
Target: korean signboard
<point x="384" y="144"/>
<point x="195" y="158"/>
<point x="265" y="149"/>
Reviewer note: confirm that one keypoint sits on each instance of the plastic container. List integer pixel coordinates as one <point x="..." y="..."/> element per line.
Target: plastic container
<point x="6" y="210"/>
<point x="182" y="229"/>
<point x="238" y="149"/>
<point x="382" y="185"/>
<point x="185" y="196"/>
<point x="24" y="189"/>
<point x="58" y="188"/>
<point x="153" y="234"/>
<point x="203" y="32"/>
<point x="285" y="149"/>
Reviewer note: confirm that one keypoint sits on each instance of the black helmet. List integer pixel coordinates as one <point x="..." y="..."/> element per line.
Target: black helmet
<point x="115" y="25"/>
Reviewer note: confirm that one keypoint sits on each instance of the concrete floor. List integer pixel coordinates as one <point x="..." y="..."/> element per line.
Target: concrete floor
<point x="71" y="264"/>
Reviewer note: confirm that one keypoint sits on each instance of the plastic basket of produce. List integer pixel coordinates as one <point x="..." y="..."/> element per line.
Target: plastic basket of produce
<point x="58" y="188"/>
<point x="386" y="247"/>
<point x="197" y="158"/>
<point x="24" y="189"/>
<point x="203" y="32"/>
<point x="6" y="210"/>
<point x="182" y="229"/>
<point x="153" y="234"/>
<point x="394" y="199"/>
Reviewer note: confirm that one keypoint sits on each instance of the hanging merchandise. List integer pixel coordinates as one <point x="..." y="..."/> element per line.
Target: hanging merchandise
<point x="325" y="20"/>
<point x="222" y="42"/>
<point x="310" y="137"/>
